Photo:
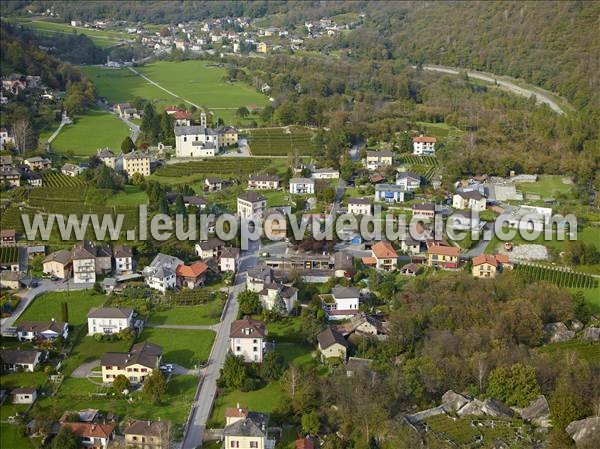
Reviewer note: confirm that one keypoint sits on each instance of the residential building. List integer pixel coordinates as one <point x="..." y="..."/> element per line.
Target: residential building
<point x="23" y="395"/>
<point x="228" y="136"/>
<point x="408" y="180"/>
<point x="442" y="256"/>
<point x="275" y="222"/>
<point x="123" y="259"/>
<point x="212" y="247"/>
<point x="136" y="162"/>
<point x="191" y="276"/>
<point x="37" y="163"/>
<point x="109" y="320"/>
<point x="6" y="139"/>
<point x="410" y="269"/>
<point x="11" y="279"/>
<point x="5" y="161"/>
<point x="70" y="170"/>
<point x="8" y="237"/>
<point x="469" y="200"/>
<point x="188" y="200"/>
<point x="245" y="430"/>
<point x="341" y="303"/>
<point x="325" y="173"/>
<point x="42" y="330"/>
<point x="383" y="256"/>
<point x="263" y="182"/>
<point x="426" y="211"/>
<point x="213" y="184"/>
<point x="410" y="245"/>
<point x="258" y="277"/>
<point x="229" y="259"/>
<point x="182" y="118"/>
<point x="251" y="205"/>
<point x="12" y="360"/>
<point x="302" y="186"/>
<point x="145" y="434"/>
<point x="424" y="146"/>
<point x="360" y="206"/>
<point x="35" y="179"/>
<point x="89" y="260"/>
<point x="92" y="435"/>
<point x="136" y="365"/>
<point x="332" y="345"/>
<point x="58" y="264"/>
<point x="161" y="273"/>
<point x="488" y="265"/>
<point x="196" y="141"/>
<point x="379" y="159"/>
<point x="273" y="292"/>
<point x="366" y="324"/>
<point x="313" y="267"/>
<point x="10" y="176"/>
<point x="107" y="157"/>
<point x="390" y="193"/>
<point x="262" y="47"/>
<point x="247" y="338"/>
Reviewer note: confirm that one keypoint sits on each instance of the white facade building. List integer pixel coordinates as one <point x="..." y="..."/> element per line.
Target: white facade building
<point x="247" y="338"/>
<point x="196" y="141"/>
<point x="302" y="186"/>
<point x="424" y="146"/>
<point x="109" y="320"/>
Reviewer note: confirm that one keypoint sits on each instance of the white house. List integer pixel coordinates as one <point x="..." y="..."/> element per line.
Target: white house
<point x="273" y="292"/>
<point x="245" y="429"/>
<point x="359" y="206"/>
<point x="390" y="193"/>
<point x="301" y="186"/>
<point x="424" y="146"/>
<point x="109" y="320"/>
<point x="247" y="338"/>
<point x="84" y="262"/>
<point x="229" y="259"/>
<point x="251" y="205"/>
<point x="469" y="200"/>
<point x="378" y="159"/>
<point x="212" y="247"/>
<point x="92" y="435"/>
<point x="23" y="395"/>
<point x="257" y="278"/>
<point x="263" y="182"/>
<point x="409" y="181"/>
<point x="70" y="170"/>
<point x="341" y="303"/>
<point x="161" y="273"/>
<point x="44" y="330"/>
<point x="196" y="141"/>
<point x="123" y="259"/>
<point x="12" y="360"/>
<point x="325" y="173"/>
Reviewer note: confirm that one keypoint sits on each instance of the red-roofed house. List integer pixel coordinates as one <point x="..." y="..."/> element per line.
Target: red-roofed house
<point x="191" y="276"/>
<point x="386" y="257"/>
<point x="442" y="256"/>
<point x="305" y="443"/>
<point x="96" y="436"/>
<point x="424" y="146"/>
<point x="487" y="265"/>
<point x="182" y="118"/>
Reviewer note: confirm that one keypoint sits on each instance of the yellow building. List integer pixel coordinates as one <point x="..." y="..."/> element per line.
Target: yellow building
<point x="147" y="435"/>
<point x="228" y="135"/>
<point x="487" y="266"/>
<point x="136" y="162"/>
<point x="135" y="365"/>
<point x="244" y="429"/>
<point x="332" y="345"/>
<point x="262" y="47"/>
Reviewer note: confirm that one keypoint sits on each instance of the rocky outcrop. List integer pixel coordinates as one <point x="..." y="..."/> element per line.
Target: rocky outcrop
<point x="496" y="408"/>
<point x="592" y="334"/>
<point x="585" y="432"/>
<point x="453" y="402"/>
<point x="537" y="412"/>
<point x="557" y="332"/>
<point x="474" y="408"/>
<point x="576" y="325"/>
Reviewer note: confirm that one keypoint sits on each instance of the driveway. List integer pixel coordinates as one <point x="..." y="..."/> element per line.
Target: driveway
<point x="85" y="370"/>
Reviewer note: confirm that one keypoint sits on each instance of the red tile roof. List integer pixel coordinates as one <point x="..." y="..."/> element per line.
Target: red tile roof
<point x="305" y="443"/>
<point x="84" y="429"/>
<point x="191" y="271"/>
<point x="493" y="260"/>
<point x="369" y="260"/>
<point x="179" y="114"/>
<point x="443" y="250"/>
<point x="425" y="139"/>
<point x="236" y="412"/>
<point x="384" y="250"/>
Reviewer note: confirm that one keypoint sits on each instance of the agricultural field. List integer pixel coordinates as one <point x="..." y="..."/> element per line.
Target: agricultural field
<point x="557" y="276"/>
<point x="441" y="131"/>
<point x="96" y="129"/>
<point x="425" y="166"/>
<point x="190" y="172"/>
<point x="101" y="38"/>
<point x="282" y="141"/>
<point x="9" y="254"/>
<point x="56" y="180"/>
<point x="547" y="186"/>
<point x="48" y="306"/>
<point x="182" y="346"/>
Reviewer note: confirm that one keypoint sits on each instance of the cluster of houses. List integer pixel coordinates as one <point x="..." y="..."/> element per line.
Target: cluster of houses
<point x="28" y="170"/>
<point x="130" y="163"/>
<point x="16" y="83"/>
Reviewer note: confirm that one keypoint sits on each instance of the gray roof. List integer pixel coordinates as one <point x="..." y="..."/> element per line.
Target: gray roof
<point x="211" y="243"/>
<point x="359" y="201"/>
<point x="187" y="130"/>
<point x="380" y="154"/>
<point x="264" y="178"/>
<point x="162" y="266"/>
<point x="229" y="252"/>
<point x="123" y="251"/>
<point x="345" y="292"/>
<point x="109" y="312"/>
<point x="41" y="326"/>
<point x="62" y="256"/>
<point x="255" y="425"/>
<point x="408" y="174"/>
<point x="145" y="354"/>
<point x="329" y="337"/>
<point x="426" y="206"/>
<point x="302" y="181"/>
<point x="471" y="194"/>
<point x="12" y="356"/>
<point x="388" y="188"/>
<point x="146" y="428"/>
<point x="252" y="197"/>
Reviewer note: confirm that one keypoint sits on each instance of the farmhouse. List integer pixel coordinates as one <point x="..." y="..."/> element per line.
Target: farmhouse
<point x="161" y="273"/>
<point x="424" y="146"/>
<point x="144" y="434"/>
<point x="12" y="360"/>
<point x="107" y="157"/>
<point x="390" y="193"/>
<point x="442" y="256"/>
<point x="136" y="364"/>
<point x="251" y="205"/>
<point x="109" y="320"/>
<point x="191" y="276"/>
<point x="379" y="159"/>
<point x="58" y="264"/>
<point x="196" y="141"/>
<point x="136" y="162"/>
<point x="469" y="200"/>
<point x="245" y="429"/>
<point x="263" y="182"/>
<point x="37" y="163"/>
<point x="487" y="265"/>
<point x="92" y="435"/>
<point x="247" y="338"/>
<point x="341" y="303"/>
<point x="359" y="206"/>
<point x="42" y="330"/>
<point x="302" y="186"/>
<point x="332" y="345"/>
<point x="410" y="181"/>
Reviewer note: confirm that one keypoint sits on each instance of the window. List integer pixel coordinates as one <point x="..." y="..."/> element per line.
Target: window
<point x="235" y="443"/>
<point x="254" y="444"/>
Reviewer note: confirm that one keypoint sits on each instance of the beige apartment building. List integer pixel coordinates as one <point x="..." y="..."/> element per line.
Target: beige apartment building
<point x="136" y="162"/>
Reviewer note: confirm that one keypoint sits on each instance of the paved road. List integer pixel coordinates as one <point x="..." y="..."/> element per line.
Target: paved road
<point x="85" y="369"/>
<point x="29" y="295"/>
<point x="65" y="120"/>
<point x="542" y="95"/>
<point x="205" y="395"/>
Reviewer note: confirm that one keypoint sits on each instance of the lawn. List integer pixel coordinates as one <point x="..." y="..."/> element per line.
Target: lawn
<point x="297" y="354"/>
<point x="96" y="129"/>
<point x="265" y="400"/>
<point x="23" y="380"/>
<point x="10" y="437"/>
<point x="547" y="186"/>
<point x="584" y="349"/>
<point x="48" y="306"/>
<point x="182" y="346"/>
<point x="88" y="349"/>
<point x="203" y="314"/>
<point x="76" y="394"/>
<point x="130" y="196"/>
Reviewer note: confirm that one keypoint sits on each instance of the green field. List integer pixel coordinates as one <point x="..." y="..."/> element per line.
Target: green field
<point x="88" y="349"/>
<point x="101" y="38"/>
<point x="96" y="129"/>
<point x="281" y="142"/>
<point x="48" y="306"/>
<point x="130" y="196"/>
<point x="10" y="437"/>
<point x="181" y="346"/>
<point x="203" y="314"/>
<point x="547" y="186"/>
<point x="584" y="349"/>
<point x="190" y="172"/>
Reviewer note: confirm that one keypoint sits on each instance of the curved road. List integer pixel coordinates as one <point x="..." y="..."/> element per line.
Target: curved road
<point x="541" y="95"/>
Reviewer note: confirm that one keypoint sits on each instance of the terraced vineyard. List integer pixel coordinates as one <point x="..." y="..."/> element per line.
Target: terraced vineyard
<point x="215" y="166"/>
<point x="282" y="141"/>
<point x="9" y="254"/>
<point x="425" y="166"/>
<point x="557" y="276"/>
<point x="55" y="179"/>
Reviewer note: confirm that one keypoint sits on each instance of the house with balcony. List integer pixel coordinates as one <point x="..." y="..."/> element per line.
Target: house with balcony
<point x="342" y="303"/>
<point x="391" y="193"/>
<point x="109" y="320"/>
<point x="410" y="181"/>
<point x="248" y="339"/>
<point x="123" y="256"/>
<point x="360" y="206"/>
<point x="263" y="182"/>
<point x="135" y="365"/>
<point x="442" y="256"/>
<point x="161" y="273"/>
<point x="424" y="145"/>
<point x="379" y="159"/>
<point x="251" y="205"/>
<point x="383" y="257"/>
<point x="302" y="186"/>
